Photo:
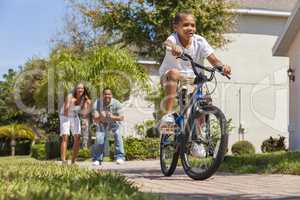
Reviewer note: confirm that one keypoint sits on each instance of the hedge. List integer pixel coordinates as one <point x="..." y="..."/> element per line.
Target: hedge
<point x="23" y="147"/>
<point x="135" y="149"/>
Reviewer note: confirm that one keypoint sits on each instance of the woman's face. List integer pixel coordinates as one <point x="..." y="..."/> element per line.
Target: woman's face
<point x="79" y="90"/>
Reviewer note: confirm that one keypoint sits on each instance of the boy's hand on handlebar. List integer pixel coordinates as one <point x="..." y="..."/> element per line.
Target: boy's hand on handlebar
<point x="175" y="49"/>
<point x="226" y="69"/>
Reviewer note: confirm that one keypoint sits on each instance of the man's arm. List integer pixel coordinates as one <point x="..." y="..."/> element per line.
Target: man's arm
<point x="120" y="114"/>
<point x="117" y="118"/>
<point x="86" y="108"/>
<point x="97" y="115"/>
<point x="214" y="61"/>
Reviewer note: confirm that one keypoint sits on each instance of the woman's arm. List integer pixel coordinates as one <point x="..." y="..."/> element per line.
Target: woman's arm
<point x="67" y="105"/>
<point x="86" y="108"/>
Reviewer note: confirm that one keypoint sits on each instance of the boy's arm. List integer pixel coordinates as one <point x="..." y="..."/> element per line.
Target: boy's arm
<point x="214" y="61"/>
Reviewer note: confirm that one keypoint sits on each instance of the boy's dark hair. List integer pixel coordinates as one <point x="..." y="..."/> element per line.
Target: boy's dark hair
<point x="179" y="15"/>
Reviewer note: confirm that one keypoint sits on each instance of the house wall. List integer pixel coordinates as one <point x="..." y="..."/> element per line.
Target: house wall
<point x="261" y="78"/>
<point x="294" y="90"/>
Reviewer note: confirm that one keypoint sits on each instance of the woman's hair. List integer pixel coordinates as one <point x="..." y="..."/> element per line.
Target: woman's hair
<point x="179" y="15"/>
<point x="85" y="95"/>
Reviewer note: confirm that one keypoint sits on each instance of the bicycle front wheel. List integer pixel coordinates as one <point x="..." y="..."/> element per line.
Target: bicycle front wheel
<point x="205" y="142"/>
<point x="169" y="154"/>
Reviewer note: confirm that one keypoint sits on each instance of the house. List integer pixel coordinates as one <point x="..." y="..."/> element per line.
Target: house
<point x="288" y="45"/>
<point x="256" y="97"/>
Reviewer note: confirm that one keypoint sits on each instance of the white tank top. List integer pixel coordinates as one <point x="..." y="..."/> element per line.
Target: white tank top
<point x="74" y="109"/>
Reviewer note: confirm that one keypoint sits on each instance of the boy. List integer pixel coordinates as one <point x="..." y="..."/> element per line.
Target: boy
<point x="172" y="70"/>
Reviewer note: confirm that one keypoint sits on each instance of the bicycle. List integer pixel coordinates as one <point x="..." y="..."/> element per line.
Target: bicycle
<point x="200" y="137"/>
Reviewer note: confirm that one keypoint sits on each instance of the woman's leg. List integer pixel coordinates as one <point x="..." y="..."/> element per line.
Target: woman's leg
<point x="63" y="147"/>
<point x="76" y="147"/>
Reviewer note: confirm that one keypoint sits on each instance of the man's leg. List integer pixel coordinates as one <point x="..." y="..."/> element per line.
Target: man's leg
<point x="98" y="147"/>
<point x="119" y="148"/>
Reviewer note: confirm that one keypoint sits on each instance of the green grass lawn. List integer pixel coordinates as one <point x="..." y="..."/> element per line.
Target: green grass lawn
<point x="270" y="163"/>
<point x="23" y="178"/>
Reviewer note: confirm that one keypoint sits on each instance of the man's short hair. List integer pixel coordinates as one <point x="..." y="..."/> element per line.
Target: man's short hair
<point x="106" y="88"/>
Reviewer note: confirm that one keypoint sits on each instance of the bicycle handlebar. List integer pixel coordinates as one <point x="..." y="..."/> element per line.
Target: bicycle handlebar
<point x="212" y="70"/>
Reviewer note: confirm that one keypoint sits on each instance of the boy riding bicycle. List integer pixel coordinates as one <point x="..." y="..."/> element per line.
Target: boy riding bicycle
<point x="172" y="70"/>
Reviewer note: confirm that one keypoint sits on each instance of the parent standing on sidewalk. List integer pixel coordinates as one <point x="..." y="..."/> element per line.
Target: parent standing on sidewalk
<point x="107" y="116"/>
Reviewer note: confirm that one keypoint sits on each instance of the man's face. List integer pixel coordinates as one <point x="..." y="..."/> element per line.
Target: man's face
<point x="107" y="96"/>
<point x="186" y="27"/>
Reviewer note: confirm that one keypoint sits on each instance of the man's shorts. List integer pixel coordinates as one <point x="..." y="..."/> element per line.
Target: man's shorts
<point x="68" y="124"/>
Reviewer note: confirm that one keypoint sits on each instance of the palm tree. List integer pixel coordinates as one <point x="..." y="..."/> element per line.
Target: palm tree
<point x="14" y="132"/>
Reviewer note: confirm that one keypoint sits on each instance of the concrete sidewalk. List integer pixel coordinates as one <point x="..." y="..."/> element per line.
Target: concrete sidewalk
<point x="147" y="176"/>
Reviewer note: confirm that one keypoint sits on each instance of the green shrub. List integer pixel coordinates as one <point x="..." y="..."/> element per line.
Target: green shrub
<point x="52" y="146"/>
<point x="147" y="129"/>
<point x="139" y="149"/>
<point x="152" y="132"/>
<point x="29" y="179"/>
<point x="23" y="147"/>
<point x="271" y="163"/>
<point x="273" y="144"/>
<point x="4" y="147"/>
<point x="84" y="153"/>
<point x="38" y="151"/>
<point x="242" y="148"/>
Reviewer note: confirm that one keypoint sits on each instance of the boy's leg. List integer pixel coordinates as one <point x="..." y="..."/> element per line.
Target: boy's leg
<point x="169" y="82"/>
<point x="98" y="147"/>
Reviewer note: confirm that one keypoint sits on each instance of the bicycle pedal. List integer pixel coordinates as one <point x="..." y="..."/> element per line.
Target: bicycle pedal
<point x="168" y="129"/>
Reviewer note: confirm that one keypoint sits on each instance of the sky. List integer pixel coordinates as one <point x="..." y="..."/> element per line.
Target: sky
<point x="26" y="28"/>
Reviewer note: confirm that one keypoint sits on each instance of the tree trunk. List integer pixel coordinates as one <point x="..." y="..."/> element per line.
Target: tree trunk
<point x="13" y="147"/>
<point x="85" y="132"/>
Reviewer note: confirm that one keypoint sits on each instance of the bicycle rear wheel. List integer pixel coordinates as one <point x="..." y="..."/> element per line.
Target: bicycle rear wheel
<point x="205" y="143"/>
<point x="169" y="154"/>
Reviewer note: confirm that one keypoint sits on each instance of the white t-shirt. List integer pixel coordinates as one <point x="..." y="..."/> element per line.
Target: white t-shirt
<point x="198" y="50"/>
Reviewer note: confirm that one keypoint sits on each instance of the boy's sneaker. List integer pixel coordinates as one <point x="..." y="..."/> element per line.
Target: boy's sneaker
<point x="198" y="150"/>
<point x="120" y="161"/>
<point x="167" y="124"/>
<point x="96" y="163"/>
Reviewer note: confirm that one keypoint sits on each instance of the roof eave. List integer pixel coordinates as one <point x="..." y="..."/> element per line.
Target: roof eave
<point x="261" y="12"/>
<point x="290" y="31"/>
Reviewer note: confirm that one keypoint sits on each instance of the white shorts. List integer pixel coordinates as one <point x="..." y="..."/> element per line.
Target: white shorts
<point x="188" y="74"/>
<point x="68" y="124"/>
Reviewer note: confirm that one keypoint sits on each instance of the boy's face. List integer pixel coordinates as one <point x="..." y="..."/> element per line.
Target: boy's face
<point x="186" y="27"/>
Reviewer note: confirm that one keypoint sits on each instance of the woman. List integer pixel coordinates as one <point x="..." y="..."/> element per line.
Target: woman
<point x="76" y="103"/>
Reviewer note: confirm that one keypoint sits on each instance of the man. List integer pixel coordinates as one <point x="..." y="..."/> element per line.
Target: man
<point x="108" y="116"/>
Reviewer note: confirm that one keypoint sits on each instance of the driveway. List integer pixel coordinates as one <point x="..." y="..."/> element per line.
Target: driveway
<point x="147" y="176"/>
